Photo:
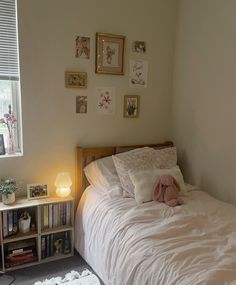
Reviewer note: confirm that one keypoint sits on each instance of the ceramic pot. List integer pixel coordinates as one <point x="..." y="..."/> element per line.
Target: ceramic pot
<point x="8" y="199"/>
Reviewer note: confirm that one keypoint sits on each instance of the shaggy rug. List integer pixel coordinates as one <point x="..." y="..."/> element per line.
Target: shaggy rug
<point x="72" y="278"/>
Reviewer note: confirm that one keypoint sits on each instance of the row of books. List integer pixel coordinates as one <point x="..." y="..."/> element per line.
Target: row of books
<point x="55" y="215"/>
<point x="54" y="244"/>
<point x="10" y="221"/>
<point x="20" y="252"/>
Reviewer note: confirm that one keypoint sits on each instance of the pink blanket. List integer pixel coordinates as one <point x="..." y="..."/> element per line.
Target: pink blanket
<point x="166" y="191"/>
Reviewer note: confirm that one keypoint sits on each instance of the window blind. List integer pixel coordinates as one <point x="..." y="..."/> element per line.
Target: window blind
<point x="8" y="41"/>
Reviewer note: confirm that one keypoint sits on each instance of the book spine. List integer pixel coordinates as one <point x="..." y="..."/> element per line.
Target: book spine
<point x="50" y="216"/>
<point x="15" y="222"/>
<point x="45" y="216"/>
<point x="48" y="246"/>
<point x="10" y="222"/>
<point x="51" y="245"/>
<point x="43" y="247"/>
<point x="42" y="218"/>
<point x="5" y="224"/>
<point x="68" y="213"/>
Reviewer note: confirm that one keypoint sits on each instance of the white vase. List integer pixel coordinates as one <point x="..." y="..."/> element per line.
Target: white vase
<point x="24" y="225"/>
<point x="8" y="199"/>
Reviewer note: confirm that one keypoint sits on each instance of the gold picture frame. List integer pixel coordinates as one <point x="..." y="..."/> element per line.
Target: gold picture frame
<point x="109" y="54"/>
<point x="131" y="106"/>
<point x="75" y="79"/>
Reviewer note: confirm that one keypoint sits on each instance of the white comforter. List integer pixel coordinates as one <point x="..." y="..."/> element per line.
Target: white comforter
<point x="153" y="244"/>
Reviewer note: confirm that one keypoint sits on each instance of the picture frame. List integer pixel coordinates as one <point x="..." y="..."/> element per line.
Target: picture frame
<point x="2" y="145"/>
<point x="110" y="54"/>
<point x="37" y="191"/>
<point x="76" y="79"/>
<point x="139" y="46"/>
<point x="131" y="106"/>
<point x="82" y="47"/>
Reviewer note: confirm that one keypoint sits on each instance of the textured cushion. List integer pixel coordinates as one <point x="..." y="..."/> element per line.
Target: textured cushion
<point x="146" y="180"/>
<point x="101" y="173"/>
<point x="137" y="159"/>
<point x="167" y="157"/>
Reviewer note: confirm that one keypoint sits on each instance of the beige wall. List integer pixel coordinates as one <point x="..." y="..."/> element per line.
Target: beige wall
<point x="204" y="94"/>
<point x="51" y="128"/>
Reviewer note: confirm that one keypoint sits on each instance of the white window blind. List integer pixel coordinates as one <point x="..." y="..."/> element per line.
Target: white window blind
<point x="8" y="41"/>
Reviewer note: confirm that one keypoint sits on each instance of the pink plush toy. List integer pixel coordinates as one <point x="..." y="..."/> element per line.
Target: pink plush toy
<point x="167" y="190"/>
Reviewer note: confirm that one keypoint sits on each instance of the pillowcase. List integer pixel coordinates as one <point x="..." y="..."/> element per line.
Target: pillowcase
<point x="145" y="182"/>
<point x="167" y="157"/>
<point x="101" y="173"/>
<point x="137" y="159"/>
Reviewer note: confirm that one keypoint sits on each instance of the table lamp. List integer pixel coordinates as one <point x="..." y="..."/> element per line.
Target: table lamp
<point x="63" y="183"/>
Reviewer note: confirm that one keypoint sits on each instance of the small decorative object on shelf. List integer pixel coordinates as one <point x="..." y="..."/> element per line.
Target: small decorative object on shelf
<point x="9" y="120"/>
<point x="7" y="189"/>
<point x="63" y="183"/>
<point x="24" y="222"/>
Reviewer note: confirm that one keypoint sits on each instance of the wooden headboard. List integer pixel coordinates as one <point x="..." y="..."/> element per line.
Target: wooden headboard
<point x="86" y="155"/>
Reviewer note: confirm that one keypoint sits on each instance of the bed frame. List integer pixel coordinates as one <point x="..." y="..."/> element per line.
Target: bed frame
<point x="86" y="155"/>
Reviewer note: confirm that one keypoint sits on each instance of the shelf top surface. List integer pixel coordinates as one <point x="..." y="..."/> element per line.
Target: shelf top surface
<point x="25" y="203"/>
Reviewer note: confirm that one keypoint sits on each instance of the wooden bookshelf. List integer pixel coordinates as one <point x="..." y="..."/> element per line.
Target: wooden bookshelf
<point x="50" y="237"/>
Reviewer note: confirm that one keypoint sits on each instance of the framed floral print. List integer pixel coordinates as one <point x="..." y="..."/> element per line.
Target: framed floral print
<point x="109" y="54"/>
<point x="131" y="106"/>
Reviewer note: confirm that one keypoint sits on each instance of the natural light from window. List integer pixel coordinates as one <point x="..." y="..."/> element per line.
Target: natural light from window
<point x="10" y="103"/>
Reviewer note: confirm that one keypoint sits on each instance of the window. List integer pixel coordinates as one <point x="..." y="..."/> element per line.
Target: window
<point x="9" y="70"/>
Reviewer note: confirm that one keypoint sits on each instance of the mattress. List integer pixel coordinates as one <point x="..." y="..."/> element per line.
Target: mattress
<point x="153" y="244"/>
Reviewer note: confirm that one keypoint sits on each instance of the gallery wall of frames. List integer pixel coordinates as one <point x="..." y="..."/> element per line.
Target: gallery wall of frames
<point x="110" y="57"/>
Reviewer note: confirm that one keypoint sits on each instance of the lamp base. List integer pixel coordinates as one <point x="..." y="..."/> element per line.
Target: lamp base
<point x="63" y="191"/>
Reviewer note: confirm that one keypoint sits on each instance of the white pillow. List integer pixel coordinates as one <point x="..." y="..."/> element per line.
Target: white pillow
<point x="101" y="173"/>
<point x="167" y="157"/>
<point x="145" y="182"/>
<point x="137" y="159"/>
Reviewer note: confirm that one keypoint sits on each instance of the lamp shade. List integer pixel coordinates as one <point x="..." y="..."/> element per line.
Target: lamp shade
<point x="63" y="183"/>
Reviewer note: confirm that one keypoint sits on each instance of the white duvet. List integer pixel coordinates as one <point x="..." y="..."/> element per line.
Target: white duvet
<point x="153" y="244"/>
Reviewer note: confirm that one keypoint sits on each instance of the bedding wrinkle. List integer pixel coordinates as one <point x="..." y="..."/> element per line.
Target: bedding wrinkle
<point x="153" y="244"/>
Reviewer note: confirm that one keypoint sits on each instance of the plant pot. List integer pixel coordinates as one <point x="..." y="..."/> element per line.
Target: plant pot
<point x="8" y="199"/>
<point x="24" y="225"/>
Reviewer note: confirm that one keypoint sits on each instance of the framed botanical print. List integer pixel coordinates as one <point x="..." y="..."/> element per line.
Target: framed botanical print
<point x="76" y="79"/>
<point x="131" y="106"/>
<point x="110" y="54"/>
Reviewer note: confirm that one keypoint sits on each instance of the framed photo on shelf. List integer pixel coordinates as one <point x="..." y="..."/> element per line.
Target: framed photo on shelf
<point x="76" y="79"/>
<point x="2" y="145"/>
<point x="131" y="106"/>
<point x="109" y="54"/>
<point x="37" y="191"/>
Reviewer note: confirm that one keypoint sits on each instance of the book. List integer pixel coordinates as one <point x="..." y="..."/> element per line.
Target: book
<point x="45" y="216"/>
<point x="5" y="224"/>
<point x="43" y="247"/>
<point x="50" y="216"/>
<point x="47" y="245"/>
<point x="68" y="213"/>
<point x="10" y="222"/>
<point x="15" y="222"/>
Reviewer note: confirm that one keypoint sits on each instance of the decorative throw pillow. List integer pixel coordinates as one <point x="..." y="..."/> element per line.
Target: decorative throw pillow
<point x="101" y="173"/>
<point x="137" y="159"/>
<point x="145" y="182"/>
<point x="167" y="157"/>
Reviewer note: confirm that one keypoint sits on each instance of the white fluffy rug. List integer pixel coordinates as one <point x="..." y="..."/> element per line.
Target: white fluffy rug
<point x="72" y="278"/>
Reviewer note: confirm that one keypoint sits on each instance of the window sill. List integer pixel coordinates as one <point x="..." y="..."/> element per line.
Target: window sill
<point x="17" y="154"/>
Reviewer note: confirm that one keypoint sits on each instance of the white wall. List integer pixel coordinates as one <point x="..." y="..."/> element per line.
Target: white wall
<point x="51" y="128"/>
<point x="204" y="94"/>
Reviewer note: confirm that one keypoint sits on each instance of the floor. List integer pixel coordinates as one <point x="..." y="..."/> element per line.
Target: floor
<point x="29" y="275"/>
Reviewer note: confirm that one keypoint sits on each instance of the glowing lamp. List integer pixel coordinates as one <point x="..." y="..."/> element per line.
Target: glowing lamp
<point x="63" y="183"/>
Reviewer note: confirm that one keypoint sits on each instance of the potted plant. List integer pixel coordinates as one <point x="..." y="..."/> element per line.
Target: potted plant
<point x="7" y="189"/>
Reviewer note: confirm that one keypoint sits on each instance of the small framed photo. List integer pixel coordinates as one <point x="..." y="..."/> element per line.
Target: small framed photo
<point x="139" y="46"/>
<point x="131" y="106"/>
<point x="81" y="104"/>
<point x="82" y="47"/>
<point x="110" y="54"/>
<point x="76" y="79"/>
<point x="2" y="145"/>
<point x="37" y="191"/>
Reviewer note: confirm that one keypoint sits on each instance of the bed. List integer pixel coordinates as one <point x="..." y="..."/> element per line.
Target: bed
<point x="150" y="243"/>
